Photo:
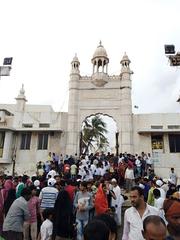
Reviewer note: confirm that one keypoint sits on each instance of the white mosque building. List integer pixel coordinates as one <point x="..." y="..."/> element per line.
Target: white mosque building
<point x="29" y="132"/>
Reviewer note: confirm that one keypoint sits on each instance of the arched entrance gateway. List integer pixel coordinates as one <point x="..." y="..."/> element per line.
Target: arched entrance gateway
<point x="100" y="93"/>
<point x="99" y="133"/>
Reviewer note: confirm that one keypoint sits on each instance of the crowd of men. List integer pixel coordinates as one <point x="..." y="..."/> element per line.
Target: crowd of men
<point x="71" y="197"/>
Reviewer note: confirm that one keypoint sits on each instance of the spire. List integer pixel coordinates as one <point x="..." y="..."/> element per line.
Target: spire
<point x="21" y="100"/>
<point x="22" y="91"/>
<point x="75" y="58"/>
<point x="21" y="94"/>
<point x="75" y="65"/>
<point x="125" y="60"/>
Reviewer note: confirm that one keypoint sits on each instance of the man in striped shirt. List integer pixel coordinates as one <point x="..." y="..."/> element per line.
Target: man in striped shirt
<point x="48" y="195"/>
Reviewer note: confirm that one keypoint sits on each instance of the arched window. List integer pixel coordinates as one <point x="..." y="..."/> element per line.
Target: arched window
<point x="100" y="65"/>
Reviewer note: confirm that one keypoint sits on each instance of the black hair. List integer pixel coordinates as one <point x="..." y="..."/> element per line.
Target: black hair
<point x="156" y="192"/>
<point x="84" y="184"/>
<point x="62" y="183"/>
<point x="32" y="187"/>
<point x="24" y="178"/>
<point x="139" y="189"/>
<point x="109" y="221"/>
<point x="25" y="192"/>
<point x="33" y="178"/>
<point x="155" y="219"/>
<point x="9" y="178"/>
<point x="48" y="212"/>
<point x="96" y="230"/>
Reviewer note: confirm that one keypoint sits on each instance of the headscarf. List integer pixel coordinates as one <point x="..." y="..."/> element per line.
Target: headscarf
<point x="172" y="214"/>
<point x="7" y="186"/>
<point x="171" y="208"/>
<point x="101" y="203"/>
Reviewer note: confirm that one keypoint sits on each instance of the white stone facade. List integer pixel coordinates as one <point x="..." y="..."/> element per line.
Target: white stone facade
<point x="21" y="118"/>
<point x="88" y="95"/>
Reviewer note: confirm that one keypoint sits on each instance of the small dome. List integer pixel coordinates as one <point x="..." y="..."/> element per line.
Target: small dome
<point x="125" y="58"/>
<point x="75" y="58"/>
<point x="100" y="51"/>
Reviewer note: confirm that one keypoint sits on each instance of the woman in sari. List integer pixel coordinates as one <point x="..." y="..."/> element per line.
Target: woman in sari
<point x="101" y="202"/>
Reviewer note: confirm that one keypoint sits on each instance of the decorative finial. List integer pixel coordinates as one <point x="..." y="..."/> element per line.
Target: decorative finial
<point x="22" y="89"/>
<point x="100" y="43"/>
<point x="75" y="58"/>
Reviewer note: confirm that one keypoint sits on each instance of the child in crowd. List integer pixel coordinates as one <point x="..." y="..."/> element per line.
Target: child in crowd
<point x="47" y="226"/>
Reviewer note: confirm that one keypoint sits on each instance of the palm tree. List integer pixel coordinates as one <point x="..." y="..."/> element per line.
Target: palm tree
<point x="93" y="134"/>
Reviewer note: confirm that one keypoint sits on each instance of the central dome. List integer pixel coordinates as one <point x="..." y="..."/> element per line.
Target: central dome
<point x="100" y="51"/>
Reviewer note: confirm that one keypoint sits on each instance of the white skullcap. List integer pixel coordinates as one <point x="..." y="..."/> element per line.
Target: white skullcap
<point x="141" y="186"/>
<point x="159" y="183"/>
<point x="51" y="182"/>
<point x="113" y="180"/>
<point x="36" y="183"/>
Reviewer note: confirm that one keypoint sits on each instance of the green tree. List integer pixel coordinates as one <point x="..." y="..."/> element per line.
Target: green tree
<point x="93" y="134"/>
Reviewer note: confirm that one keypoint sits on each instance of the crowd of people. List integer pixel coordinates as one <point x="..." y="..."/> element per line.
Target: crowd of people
<point x="71" y="197"/>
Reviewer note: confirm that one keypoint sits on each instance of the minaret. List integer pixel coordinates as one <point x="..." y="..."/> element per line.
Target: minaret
<point x="21" y="100"/>
<point x="72" y="146"/>
<point x="126" y="105"/>
<point x="75" y="65"/>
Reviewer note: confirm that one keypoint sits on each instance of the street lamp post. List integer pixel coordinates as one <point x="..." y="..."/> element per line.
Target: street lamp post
<point x="174" y="58"/>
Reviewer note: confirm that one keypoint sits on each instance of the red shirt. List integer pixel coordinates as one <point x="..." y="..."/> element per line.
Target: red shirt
<point x="71" y="190"/>
<point x="66" y="168"/>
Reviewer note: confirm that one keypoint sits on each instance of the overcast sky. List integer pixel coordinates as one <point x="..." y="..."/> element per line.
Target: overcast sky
<point x="42" y="36"/>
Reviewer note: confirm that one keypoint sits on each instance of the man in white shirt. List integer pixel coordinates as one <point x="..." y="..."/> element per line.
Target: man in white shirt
<point x="129" y="177"/>
<point x="138" y="166"/>
<point x="134" y="216"/>
<point x="73" y="170"/>
<point x="159" y="183"/>
<point x="173" y="177"/>
<point x="158" y="203"/>
<point x="118" y="201"/>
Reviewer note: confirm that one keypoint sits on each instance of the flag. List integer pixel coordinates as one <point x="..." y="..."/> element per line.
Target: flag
<point x="5" y="71"/>
<point x="169" y="49"/>
<point x="7" y="61"/>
